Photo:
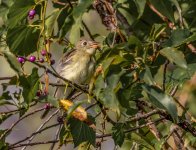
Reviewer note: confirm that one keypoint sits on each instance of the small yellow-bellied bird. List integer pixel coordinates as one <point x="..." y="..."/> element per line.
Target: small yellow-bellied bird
<point x="77" y="65"/>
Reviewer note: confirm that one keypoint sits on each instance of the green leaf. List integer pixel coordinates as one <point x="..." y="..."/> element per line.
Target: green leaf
<point x="161" y="100"/>
<point x="140" y="4"/>
<point x="81" y="7"/>
<point x="177" y="38"/>
<point x="147" y="76"/>
<point x="81" y="132"/>
<point x="74" y="35"/>
<point x="175" y="56"/>
<point x="64" y="134"/>
<point x="118" y="134"/>
<point x="30" y="85"/>
<point x="69" y="21"/>
<point x="156" y="31"/>
<point x="140" y="139"/>
<point x="180" y="75"/>
<point x="50" y="99"/>
<point x="113" y="77"/>
<point x="164" y="7"/>
<point x="19" y="11"/>
<point x="134" y="41"/>
<point x="108" y="97"/>
<point x="50" y="22"/>
<point x="23" y="40"/>
<point x="13" y="62"/>
<point x="3" y="144"/>
<point x="131" y="93"/>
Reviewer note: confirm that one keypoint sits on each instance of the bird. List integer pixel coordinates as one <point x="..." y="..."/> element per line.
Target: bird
<point x="77" y="66"/>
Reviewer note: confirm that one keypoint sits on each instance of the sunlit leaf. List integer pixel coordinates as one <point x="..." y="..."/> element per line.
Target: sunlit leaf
<point x="174" y="56"/>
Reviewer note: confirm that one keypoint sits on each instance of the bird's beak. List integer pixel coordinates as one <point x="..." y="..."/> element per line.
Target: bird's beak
<point x="94" y="45"/>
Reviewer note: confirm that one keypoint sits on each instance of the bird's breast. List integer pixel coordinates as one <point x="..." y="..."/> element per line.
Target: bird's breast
<point x="80" y="71"/>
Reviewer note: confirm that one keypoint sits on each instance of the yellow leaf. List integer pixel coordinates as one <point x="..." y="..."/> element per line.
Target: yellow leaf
<point x="78" y="113"/>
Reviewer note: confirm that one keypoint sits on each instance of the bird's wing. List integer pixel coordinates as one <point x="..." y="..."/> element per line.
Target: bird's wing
<point x="65" y="60"/>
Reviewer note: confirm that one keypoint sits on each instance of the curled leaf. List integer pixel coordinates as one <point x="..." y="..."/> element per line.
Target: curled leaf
<point x="77" y="112"/>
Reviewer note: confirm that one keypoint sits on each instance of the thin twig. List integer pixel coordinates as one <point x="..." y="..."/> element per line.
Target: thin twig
<point x="16" y="111"/>
<point x="174" y="90"/>
<point x="56" y="137"/>
<point x="14" y="124"/>
<point x="144" y="116"/>
<point x="41" y="126"/>
<point x="87" y="108"/>
<point x="98" y="136"/>
<point x="164" y="74"/>
<point x="32" y="144"/>
<point x="87" y="30"/>
<point x="40" y="131"/>
<point x="133" y="129"/>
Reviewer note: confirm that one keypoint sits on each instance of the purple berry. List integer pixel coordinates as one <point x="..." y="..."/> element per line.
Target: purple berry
<point x="41" y="60"/>
<point x="47" y="106"/>
<point x="52" y="62"/>
<point x="21" y="60"/>
<point x="43" y="52"/>
<point x="32" y="58"/>
<point x="32" y="13"/>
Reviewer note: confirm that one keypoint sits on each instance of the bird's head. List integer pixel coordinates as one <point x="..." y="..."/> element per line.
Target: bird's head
<point x="87" y="46"/>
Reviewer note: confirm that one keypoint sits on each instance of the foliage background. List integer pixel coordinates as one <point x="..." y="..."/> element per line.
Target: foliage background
<point x="148" y="64"/>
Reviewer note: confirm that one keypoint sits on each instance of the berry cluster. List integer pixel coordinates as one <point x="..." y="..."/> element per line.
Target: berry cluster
<point x="33" y="58"/>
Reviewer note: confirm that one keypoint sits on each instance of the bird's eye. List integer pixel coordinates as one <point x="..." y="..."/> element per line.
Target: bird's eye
<point x="84" y="43"/>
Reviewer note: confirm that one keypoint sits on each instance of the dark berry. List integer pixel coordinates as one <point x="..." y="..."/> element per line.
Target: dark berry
<point x="39" y="92"/>
<point x="43" y="52"/>
<point x="52" y="62"/>
<point x="32" y="13"/>
<point x="32" y="58"/>
<point x="21" y="59"/>
<point x="31" y="17"/>
<point x="47" y="106"/>
<point x="60" y="119"/>
<point x="41" y="60"/>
